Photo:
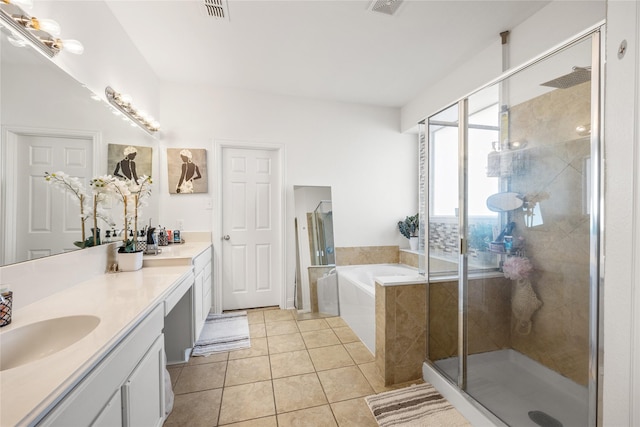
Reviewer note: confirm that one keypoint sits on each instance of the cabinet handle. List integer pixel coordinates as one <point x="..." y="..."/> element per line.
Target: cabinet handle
<point x="226" y="237"/>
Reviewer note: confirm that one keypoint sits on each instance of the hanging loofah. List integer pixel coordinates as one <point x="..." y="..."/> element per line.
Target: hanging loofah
<point x="524" y="303"/>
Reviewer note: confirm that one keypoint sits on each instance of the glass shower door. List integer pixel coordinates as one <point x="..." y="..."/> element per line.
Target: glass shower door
<point x="442" y="137"/>
<point x="513" y="241"/>
<point x="528" y="305"/>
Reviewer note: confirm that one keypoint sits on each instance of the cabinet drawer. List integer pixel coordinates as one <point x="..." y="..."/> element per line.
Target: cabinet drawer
<point x="202" y="260"/>
<point x="207" y="271"/>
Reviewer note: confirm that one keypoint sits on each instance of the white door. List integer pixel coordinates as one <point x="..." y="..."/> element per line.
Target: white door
<point x="48" y="217"/>
<point x="251" y="218"/>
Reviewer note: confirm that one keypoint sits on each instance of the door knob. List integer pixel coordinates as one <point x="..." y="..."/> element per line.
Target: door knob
<point x="226" y="237"/>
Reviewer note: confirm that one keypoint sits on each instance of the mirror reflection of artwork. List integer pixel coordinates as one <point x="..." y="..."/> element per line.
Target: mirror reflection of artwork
<point x="129" y="161"/>
<point x="187" y="170"/>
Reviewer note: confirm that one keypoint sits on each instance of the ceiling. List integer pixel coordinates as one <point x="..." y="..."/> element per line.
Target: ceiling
<point x="333" y="50"/>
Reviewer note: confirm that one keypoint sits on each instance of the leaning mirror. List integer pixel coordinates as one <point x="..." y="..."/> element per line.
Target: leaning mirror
<point x="316" y="280"/>
<point x="50" y="123"/>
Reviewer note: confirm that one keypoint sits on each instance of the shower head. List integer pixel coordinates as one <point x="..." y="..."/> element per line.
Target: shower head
<point x="577" y="76"/>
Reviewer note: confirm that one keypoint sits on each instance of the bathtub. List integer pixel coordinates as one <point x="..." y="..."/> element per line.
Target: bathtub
<point x="357" y="298"/>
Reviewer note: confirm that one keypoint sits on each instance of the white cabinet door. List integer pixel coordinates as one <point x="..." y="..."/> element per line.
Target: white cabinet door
<point x="144" y="390"/>
<point x="130" y="362"/>
<point x="207" y="286"/>
<point x="201" y="291"/>
<point x="111" y="415"/>
<point x="198" y="297"/>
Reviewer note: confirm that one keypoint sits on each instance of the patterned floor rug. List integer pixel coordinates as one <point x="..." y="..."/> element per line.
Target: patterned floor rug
<point x="223" y="332"/>
<point x="414" y="406"/>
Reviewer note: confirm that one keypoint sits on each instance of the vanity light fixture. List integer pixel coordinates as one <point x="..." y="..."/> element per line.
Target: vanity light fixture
<point x="122" y="103"/>
<point x="41" y="33"/>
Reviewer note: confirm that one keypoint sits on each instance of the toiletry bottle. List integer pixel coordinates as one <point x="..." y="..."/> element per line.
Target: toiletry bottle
<point x="107" y="236"/>
<point x="508" y="244"/>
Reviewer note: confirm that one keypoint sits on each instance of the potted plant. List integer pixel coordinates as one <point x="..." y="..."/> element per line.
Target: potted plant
<point x="409" y="229"/>
<point x="88" y="208"/>
<point x="130" y="193"/>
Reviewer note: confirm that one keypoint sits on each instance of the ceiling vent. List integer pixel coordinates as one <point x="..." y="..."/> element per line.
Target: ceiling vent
<point x="218" y="9"/>
<point x="388" y="7"/>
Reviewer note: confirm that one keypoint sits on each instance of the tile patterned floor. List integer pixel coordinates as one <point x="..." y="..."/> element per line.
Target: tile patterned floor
<point x="297" y="373"/>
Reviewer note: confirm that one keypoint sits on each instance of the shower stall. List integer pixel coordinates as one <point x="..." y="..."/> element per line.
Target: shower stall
<point x="513" y="242"/>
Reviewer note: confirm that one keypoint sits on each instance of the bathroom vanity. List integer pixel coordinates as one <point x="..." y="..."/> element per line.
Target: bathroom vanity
<point x="108" y="366"/>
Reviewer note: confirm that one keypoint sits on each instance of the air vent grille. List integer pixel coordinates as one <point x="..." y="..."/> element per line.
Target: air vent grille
<point x="388" y="7"/>
<point x="217" y="9"/>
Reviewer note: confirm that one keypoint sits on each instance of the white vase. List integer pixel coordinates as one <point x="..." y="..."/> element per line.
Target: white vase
<point x="413" y="243"/>
<point x="129" y="261"/>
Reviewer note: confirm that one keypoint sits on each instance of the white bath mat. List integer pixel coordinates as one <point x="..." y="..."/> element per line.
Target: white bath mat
<point x="417" y="405"/>
<point x="223" y="332"/>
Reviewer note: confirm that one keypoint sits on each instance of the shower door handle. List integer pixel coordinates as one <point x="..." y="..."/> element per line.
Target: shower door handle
<point x="226" y="237"/>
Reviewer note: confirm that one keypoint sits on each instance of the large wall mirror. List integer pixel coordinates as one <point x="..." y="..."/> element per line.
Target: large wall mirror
<point x="51" y="123"/>
<point x="316" y="280"/>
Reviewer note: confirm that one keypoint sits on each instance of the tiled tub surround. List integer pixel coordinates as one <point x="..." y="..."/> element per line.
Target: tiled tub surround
<point x="376" y="255"/>
<point x="410" y="258"/>
<point x="367" y="255"/>
<point x="401" y="328"/>
<point x="356" y="289"/>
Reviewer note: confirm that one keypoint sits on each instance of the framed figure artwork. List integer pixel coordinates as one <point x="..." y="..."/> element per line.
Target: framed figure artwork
<point x="129" y="161"/>
<point x="187" y="170"/>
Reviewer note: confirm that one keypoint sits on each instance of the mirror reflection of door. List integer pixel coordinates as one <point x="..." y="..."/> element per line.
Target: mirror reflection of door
<point x="316" y="279"/>
<point x="47" y="221"/>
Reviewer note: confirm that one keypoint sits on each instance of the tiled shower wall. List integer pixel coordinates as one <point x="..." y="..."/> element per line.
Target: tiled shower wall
<point x="559" y="248"/>
<point x="443" y="237"/>
<point x="488" y="318"/>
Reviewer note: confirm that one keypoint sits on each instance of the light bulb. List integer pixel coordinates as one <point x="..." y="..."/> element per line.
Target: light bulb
<point x="126" y="99"/>
<point x="48" y="25"/>
<point x="72" y="46"/>
<point x="25" y="4"/>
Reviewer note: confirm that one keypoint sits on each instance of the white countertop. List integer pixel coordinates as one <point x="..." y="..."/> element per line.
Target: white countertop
<point x="176" y="254"/>
<point x="120" y="300"/>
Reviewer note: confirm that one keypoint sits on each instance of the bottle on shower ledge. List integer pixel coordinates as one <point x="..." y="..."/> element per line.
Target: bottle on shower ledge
<point x="508" y="244"/>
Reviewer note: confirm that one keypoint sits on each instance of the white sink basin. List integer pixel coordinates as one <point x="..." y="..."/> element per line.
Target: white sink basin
<point x="33" y="342"/>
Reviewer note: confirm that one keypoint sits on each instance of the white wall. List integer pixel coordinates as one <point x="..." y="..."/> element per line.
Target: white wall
<point x="621" y="387"/>
<point x="549" y="27"/>
<point x="357" y="150"/>
<point x="109" y="58"/>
